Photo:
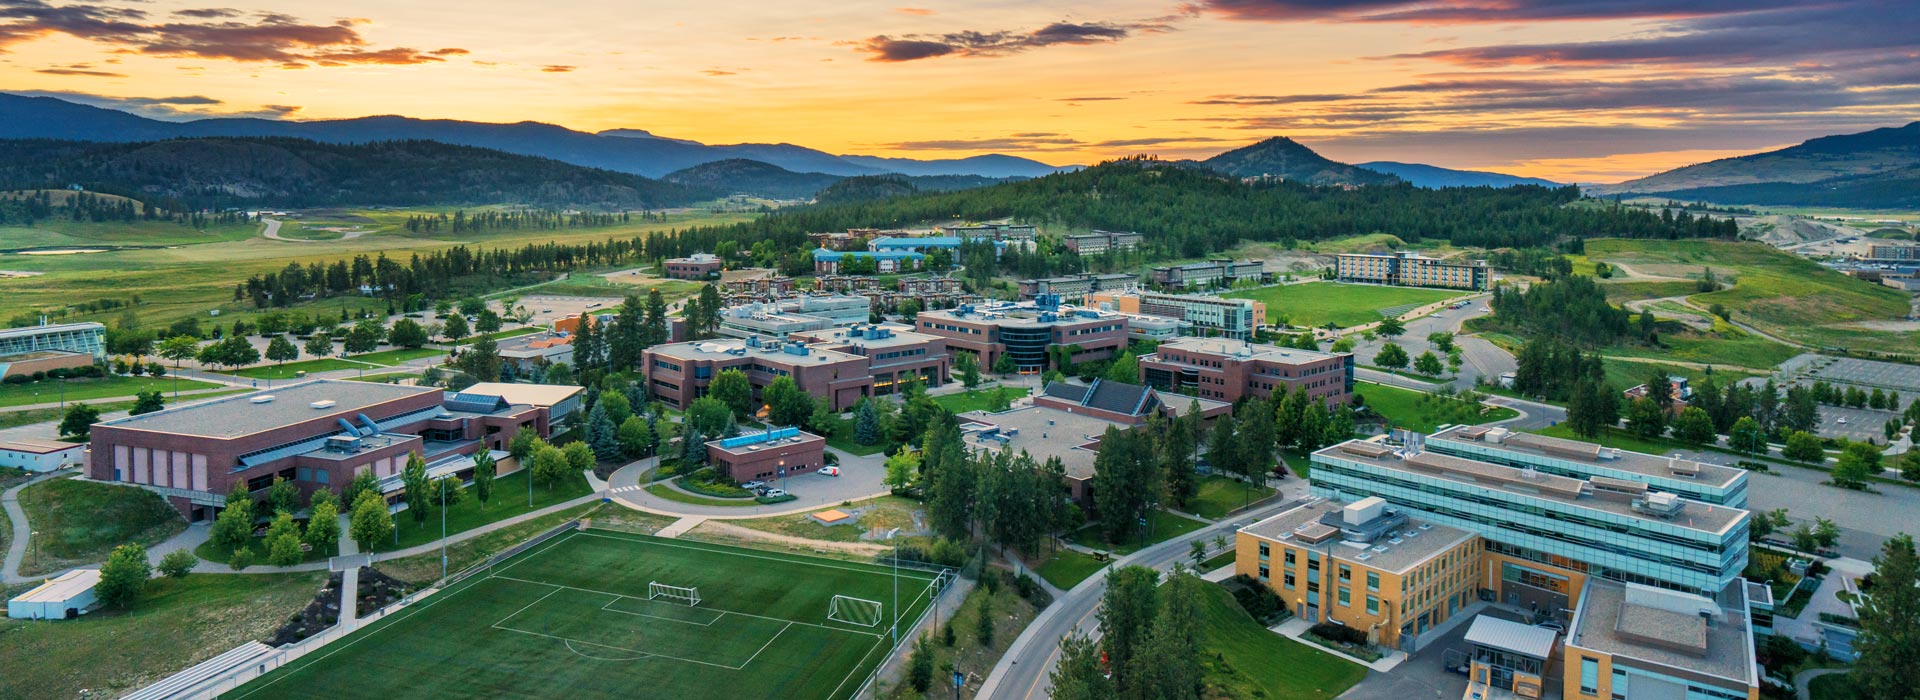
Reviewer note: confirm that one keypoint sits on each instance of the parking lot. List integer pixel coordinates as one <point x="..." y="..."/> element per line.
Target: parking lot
<point x="1846" y="371"/>
<point x="547" y="309"/>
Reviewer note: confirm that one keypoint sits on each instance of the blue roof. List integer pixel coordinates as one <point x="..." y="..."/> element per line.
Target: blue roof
<point x="754" y="438"/>
<point x="834" y="255"/>
<point x="924" y="242"/>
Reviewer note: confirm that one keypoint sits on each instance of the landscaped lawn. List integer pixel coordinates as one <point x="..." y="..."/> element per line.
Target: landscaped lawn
<point x="50" y="390"/>
<point x="1315" y="304"/>
<point x="978" y="399"/>
<point x="1226" y="558"/>
<point x="677" y="496"/>
<point x="1245" y="660"/>
<point x="842" y="439"/>
<point x="1414" y="410"/>
<point x="258" y="545"/>
<point x="397" y="355"/>
<point x="292" y="370"/>
<point x="1219" y="495"/>
<point x="884" y="512"/>
<point x="1067" y="568"/>
<point x="1833" y="686"/>
<point x="509" y="500"/>
<point x="1624" y="374"/>
<point x="81" y="521"/>
<point x="1161" y="526"/>
<point x="1299" y="464"/>
<point x="176" y="624"/>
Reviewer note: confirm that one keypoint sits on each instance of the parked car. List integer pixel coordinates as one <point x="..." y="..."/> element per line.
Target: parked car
<point x="775" y="493"/>
<point x="830" y="471"/>
<point x="751" y="485"/>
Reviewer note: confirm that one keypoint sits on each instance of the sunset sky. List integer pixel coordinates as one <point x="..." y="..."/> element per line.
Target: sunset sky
<point x="1574" y="90"/>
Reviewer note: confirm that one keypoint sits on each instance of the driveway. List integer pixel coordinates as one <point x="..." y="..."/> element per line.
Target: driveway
<point x="1424" y="675"/>
<point x="860" y="478"/>
<point x="1480" y="358"/>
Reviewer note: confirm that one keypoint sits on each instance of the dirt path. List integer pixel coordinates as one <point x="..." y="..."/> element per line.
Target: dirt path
<point x="715" y="527"/>
<point x="272" y="233"/>
<point x="1636" y="275"/>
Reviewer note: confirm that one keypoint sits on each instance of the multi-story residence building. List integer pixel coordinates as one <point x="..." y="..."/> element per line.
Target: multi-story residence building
<point x="1015" y="233"/>
<point x="1226" y="369"/>
<point x="931" y="292"/>
<point x="895" y="354"/>
<point x="1218" y="272"/>
<point x="1412" y="270"/>
<point x="50" y="347"/>
<point x="1893" y="251"/>
<point x="1026" y="331"/>
<point x="927" y="244"/>
<point x="1099" y="242"/>
<point x="847" y="284"/>
<point x="699" y="266"/>
<point x="1209" y="315"/>
<point x="828" y="262"/>
<point x="778" y="319"/>
<point x="851" y="239"/>
<point x="317" y="434"/>
<point x="767" y="454"/>
<point x="1076" y="286"/>
<point x="734" y="292"/>
<point x="1367" y="565"/>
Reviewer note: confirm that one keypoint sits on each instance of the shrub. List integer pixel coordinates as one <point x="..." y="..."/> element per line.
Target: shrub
<point x="1343" y="634"/>
<point x="178" y="563"/>
<point x="948" y="553"/>
<point x="242" y="558"/>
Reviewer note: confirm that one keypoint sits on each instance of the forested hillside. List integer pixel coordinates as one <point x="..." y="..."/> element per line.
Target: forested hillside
<point x="217" y="173"/>
<point x="1187" y="212"/>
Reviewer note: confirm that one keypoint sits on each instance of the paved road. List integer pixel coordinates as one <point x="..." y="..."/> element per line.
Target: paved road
<point x="1480" y="357"/>
<point x="1023" y="673"/>
<point x="860" y="478"/>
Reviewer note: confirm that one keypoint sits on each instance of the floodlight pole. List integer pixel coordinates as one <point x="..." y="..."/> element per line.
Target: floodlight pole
<point x="443" y="534"/>
<point x="894" y="536"/>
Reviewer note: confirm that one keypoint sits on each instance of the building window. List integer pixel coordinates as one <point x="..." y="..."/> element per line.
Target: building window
<point x="1373" y="582"/>
<point x="1346" y="597"/>
<point x="1346" y="573"/>
<point x="1289" y="557"/>
<point x="1589" y="676"/>
<point x="1263" y="572"/>
<point x="1288" y="580"/>
<point x="1263" y="551"/>
<point x="1373" y="605"/>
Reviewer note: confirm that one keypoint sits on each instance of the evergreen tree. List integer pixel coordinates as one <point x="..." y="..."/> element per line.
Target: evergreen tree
<point x="626" y="340"/>
<point x="587" y="350"/>
<point x="866" y="423"/>
<point x="1888" y="668"/>
<point x="1080" y="675"/>
<point x="600" y="433"/>
<point x="656" y="328"/>
<point x="148" y="402"/>
<point x="1127" y="612"/>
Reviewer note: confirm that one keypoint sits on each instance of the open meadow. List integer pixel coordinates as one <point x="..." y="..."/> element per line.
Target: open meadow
<point x="1316" y="304"/>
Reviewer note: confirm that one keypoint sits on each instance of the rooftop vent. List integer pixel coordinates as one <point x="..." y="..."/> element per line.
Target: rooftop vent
<point x="263" y="398"/>
<point x="1380" y="548"/>
<point x="323" y="403"/>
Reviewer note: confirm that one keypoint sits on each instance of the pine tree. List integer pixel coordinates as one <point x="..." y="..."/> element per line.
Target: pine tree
<point x="866" y="423"/>
<point x="1888" y="668"/>
<point x="600" y="433"/>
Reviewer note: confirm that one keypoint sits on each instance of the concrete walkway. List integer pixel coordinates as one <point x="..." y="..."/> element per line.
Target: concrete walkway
<point x="860" y="481"/>
<point x="680" y="527"/>
<point x="349" y="580"/>
<point x="22" y="530"/>
<point x="1803" y="678"/>
<point x="1295" y="627"/>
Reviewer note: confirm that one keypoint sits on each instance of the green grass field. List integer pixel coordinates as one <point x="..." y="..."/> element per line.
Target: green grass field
<point x="677" y="496"/>
<point x="50" y="390"/>
<point x="572" y="619"/>
<point x="1426" y="412"/>
<point x="509" y="500"/>
<point x="292" y="370"/>
<point x="81" y="521"/>
<point x="1162" y="526"/>
<point x="397" y="355"/>
<point x="1245" y="660"/>
<point x="1067" y="568"/>
<point x="1219" y="495"/>
<point x="978" y="399"/>
<point x="1316" y="304"/>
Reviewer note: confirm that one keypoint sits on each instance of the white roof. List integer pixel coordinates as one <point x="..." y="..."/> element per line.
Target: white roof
<point x="62" y="588"/>
<point x="1532" y="641"/>
<point x="37" y="446"/>
<point x="528" y="394"/>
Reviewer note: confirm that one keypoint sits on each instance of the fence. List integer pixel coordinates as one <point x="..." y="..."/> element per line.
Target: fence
<point x="938" y="586"/>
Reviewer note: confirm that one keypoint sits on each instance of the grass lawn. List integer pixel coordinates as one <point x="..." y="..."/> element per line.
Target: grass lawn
<point x="81" y="521"/>
<point x="969" y="655"/>
<point x="1414" y="410"/>
<point x="422" y="569"/>
<point x="176" y="624"/>
<point x="388" y="378"/>
<point x="258" y="545"/>
<point x="1299" y="464"/>
<point x="842" y="439"/>
<point x="1834" y="686"/>
<point x="1616" y="437"/>
<point x="1162" y="526"/>
<point x="517" y="332"/>
<point x="884" y="512"/>
<point x="978" y="399"/>
<point x="1067" y="568"/>
<point x="1247" y="660"/>
<point x="573" y="618"/>
<point x="671" y="494"/>
<point x="1219" y="495"/>
<point x="1315" y="304"/>
<point x="50" y="390"/>
<point x="1723" y="346"/>
<point x="1226" y="558"/>
<point x="509" y="500"/>
<point x="397" y="355"/>
<point x="1623" y="375"/>
<point x="291" y="370"/>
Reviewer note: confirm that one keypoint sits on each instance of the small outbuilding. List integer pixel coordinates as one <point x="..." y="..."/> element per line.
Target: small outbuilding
<point x="36" y="455"/>
<point x="61" y="597"/>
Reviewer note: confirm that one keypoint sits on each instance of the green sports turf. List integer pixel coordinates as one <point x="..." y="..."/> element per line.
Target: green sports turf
<point x="571" y="619"/>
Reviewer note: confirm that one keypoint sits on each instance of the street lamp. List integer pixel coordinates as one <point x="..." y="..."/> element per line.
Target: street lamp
<point x="893" y="536"/>
<point x="443" y="532"/>
<point x="36" y="548"/>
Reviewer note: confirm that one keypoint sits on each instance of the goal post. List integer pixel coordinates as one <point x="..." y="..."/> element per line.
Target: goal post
<point x="685" y="594"/>
<point x="855" y="611"/>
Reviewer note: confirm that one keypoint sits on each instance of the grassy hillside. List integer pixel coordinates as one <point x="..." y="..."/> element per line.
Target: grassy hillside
<point x="1778" y="293"/>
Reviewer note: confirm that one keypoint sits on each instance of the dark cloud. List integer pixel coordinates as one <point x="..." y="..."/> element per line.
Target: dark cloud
<point x="973" y="43"/>
<point x="170" y="108"/>
<point x="450" y="52"/>
<point x="556" y="69"/>
<point x="282" y="109"/>
<point x="80" y="72"/>
<point x="1475" y="11"/>
<point x="217" y="33"/>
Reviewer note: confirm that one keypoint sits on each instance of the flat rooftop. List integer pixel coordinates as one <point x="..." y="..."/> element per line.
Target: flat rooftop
<point x="896" y="336"/>
<point x="1702" y="517"/>
<point x="779" y="438"/>
<point x="1244" y="351"/>
<point x="1041" y="432"/>
<point x="722" y="349"/>
<point x="1023" y="313"/>
<point x="236" y="416"/>
<point x="1609" y="620"/>
<point x="50" y="328"/>
<point x="1594" y="455"/>
<point x="1419" y="540"/>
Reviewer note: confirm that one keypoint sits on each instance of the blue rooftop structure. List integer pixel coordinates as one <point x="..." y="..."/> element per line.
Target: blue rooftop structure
<point x="760" y="437"/>
<point x="825" y="255"/>
<point x="924" y="243"/>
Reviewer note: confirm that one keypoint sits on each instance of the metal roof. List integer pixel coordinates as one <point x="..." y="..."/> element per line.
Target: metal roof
<point x="62" y="588"/>
<point x="1501" y="634"/>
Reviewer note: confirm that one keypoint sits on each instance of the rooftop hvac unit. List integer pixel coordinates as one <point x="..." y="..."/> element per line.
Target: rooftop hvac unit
<point x="263" y="398"/>
<point x="1395" y="540"/>
<point x="1380" y="548"/>
<point x="323" y="403"/>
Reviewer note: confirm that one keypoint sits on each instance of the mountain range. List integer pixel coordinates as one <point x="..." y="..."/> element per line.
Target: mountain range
<point x="632" y="151"/>
<point x="1871" y="170"/>
<point x="1431" y="176"/>
<point x="740" y="175"/>
<point x="1283" y="158"/>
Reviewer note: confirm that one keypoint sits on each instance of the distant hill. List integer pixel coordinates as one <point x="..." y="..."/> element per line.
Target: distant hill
<point x="1871" y="169"/>
<point x="1433" y="176"/>
<point x="1283" y="158"/>
<point x="739" y="175"/>
<point x="625" y="150"/>
<point x="867" y="188"/>
<point x="214" y="173"/>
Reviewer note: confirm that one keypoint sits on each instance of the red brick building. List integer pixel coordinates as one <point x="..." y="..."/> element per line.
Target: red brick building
<point x="318" y="434"/>
<point x="699" y="266"/>
<point x="1026" y="331"/>
<point x="767" y="455"/>
<point x="1224" y="369"/>
<point x="841" y="366"/>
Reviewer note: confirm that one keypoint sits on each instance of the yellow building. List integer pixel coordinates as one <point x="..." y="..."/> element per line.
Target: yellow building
<point x="1366" y="566"/>
<point x="1631" y="641"/>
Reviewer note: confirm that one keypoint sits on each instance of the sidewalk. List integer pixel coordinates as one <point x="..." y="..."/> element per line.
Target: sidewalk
<point x="1295" y="627"/>
<point x="22" y="531"/>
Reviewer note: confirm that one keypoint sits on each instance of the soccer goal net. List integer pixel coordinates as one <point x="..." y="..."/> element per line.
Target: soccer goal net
<point x="685" y="594"/>
<point x="854" y="611"/>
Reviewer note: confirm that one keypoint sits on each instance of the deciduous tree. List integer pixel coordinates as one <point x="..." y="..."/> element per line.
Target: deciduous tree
<point x="124" y="576"/>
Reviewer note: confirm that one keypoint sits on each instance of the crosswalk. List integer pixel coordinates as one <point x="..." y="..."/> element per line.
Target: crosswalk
<point x="628" y="489"/>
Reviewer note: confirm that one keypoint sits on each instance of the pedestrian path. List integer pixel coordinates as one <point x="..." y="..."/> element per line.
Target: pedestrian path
<point x="680" y="527"/>
<point x="1293" y="628"/>
<point x="22" y="530"/>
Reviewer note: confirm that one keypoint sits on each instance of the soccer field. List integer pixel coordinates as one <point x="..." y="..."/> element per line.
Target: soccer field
<point x="572" y="618"/>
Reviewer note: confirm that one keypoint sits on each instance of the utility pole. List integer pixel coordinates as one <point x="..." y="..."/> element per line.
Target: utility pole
<point x="443" y="532"/>
<point x="894" y="536"/>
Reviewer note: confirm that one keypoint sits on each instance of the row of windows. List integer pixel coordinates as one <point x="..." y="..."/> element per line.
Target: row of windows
<point x="663" y="364"/>
<point x="949" y="328"/>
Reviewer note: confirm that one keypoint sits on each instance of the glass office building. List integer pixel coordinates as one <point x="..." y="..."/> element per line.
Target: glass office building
<point x="1697" y="481"/>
